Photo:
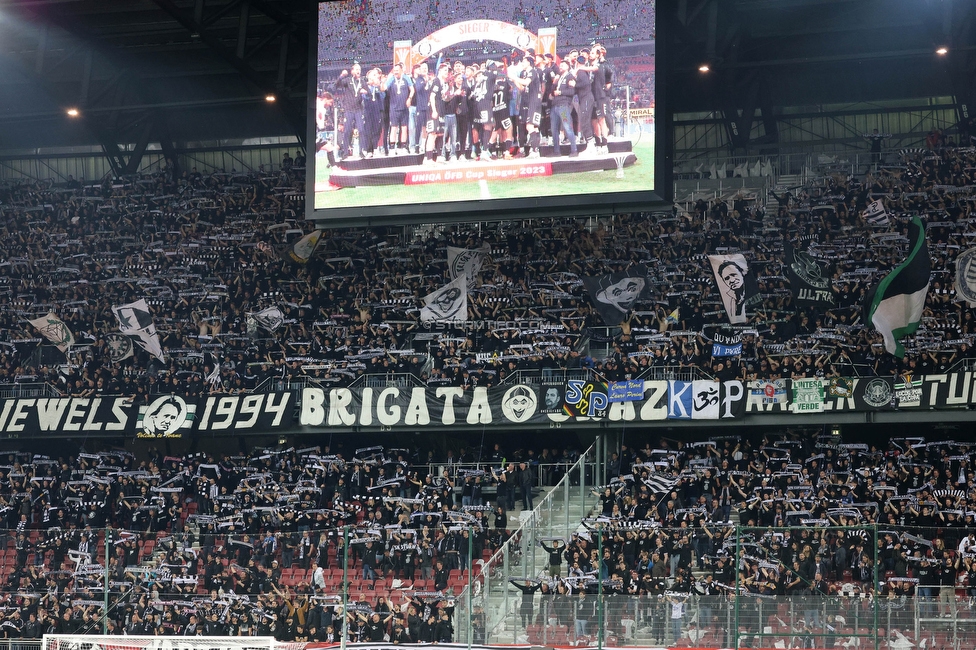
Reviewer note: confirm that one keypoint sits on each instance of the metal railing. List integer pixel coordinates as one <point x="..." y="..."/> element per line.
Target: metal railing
<point x="550" y="375"/>
<point x="33" y="389"/>
<point x="672" y="618"/>
<point x="387" y="380"/>
<point x="546" y="473"/>
<point x="679" y="373"/>
<point x="281" y="384"/>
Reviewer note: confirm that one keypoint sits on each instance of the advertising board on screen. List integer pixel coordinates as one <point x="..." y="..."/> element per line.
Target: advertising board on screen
<point x="425" y="107"/>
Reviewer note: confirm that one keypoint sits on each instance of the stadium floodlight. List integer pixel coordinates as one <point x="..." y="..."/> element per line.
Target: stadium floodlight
<point x="942" y="51"/>
<point x="73" y="112"/>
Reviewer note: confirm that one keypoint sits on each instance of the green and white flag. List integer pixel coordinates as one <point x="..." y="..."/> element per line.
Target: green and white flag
<point x="302" y="250"/>
<point x="55" y="331"/>
<point x="895" y="306"/>
<point x="808" y="396"/>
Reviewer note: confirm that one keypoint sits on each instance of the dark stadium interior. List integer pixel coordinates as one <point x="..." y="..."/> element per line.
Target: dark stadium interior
<point x="744" y="418"/>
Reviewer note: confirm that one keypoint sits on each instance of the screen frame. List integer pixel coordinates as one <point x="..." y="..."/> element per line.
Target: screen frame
<point x="496" y="209"/>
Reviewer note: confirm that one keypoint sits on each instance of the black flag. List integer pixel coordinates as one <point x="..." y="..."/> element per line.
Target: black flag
<point x="614" y="294"/>
<point x="809" y="279"/>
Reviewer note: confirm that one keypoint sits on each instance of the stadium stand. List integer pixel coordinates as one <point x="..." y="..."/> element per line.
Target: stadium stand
<point x="203" y="546"/>
<point x="241" y="545"/>
<point x="206" y="251"/>
<point x="788" y="522"/>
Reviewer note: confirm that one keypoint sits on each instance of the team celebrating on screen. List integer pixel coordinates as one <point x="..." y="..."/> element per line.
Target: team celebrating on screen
<point x="492" y="110"/>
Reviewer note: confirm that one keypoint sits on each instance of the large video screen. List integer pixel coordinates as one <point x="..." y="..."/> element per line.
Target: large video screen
<point x="429" y="107"/>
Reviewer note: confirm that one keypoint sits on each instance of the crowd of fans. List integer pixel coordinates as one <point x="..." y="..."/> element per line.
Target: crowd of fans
<point x="254" y="544"/>
<point x="837" y="529"/>
<point x="206" y="250"/>
<point x="251" y="544"/>
<point x="367" y="32"/>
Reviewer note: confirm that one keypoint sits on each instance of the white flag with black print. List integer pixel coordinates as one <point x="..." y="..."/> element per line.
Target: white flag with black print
<point x="136" y="320"/>
<point x="660" y="483"/>
<point x="875" y="214"/>
<point x="467" y="262"/>
<point x="736" y="284"/>
<point x="54" y="330"/>
<point x="966" y="276"/>
<point x="449" y="304"/>
<point x="270" y="319"/>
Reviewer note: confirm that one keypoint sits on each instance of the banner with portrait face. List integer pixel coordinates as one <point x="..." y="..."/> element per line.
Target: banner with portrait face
<point x="614" y="294"/>
<point x="552" y="396"/>
<point x="736" y="285"/>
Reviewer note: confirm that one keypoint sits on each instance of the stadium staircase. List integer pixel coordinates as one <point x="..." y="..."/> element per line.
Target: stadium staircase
<point x="522" y="557"/>
<point x="558" y="513"/>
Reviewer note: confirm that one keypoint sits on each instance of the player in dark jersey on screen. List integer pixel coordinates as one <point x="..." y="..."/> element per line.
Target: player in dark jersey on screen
<point x="349" y="93"/>
<point x="454" y="102"/>
<point x="550" y="70"/>
<point x="421" y="99"/>
<point x="501" y="97"/>
<point x="602" y="79"/>
<point x="372" y="113"/>
<point x="530" y="81"/>
<point x="482" y="121"/>
<point x="584" y="96"/>
<point x="563" y="93"/>
<point x="399" y="92"/>
<point x="476" y="91"/>
<point x="463" y="146"/>
<point x="439" y="94"/>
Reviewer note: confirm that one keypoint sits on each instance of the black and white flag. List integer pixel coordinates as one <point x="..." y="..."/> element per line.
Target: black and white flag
<point x="659" y="483"/>
<point x="136" y="320"/>
<point x="614" y="294"/>
<point x="809" y="278"/>
<point x="466" y="262"/>
<point x="966" y="276"/>
<point x="119" y="346"/>
<point x="875" y="214"/>
<point x="737" y="286"/>
<point x="449" y="304"/>
<point x="269" y="319"/>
